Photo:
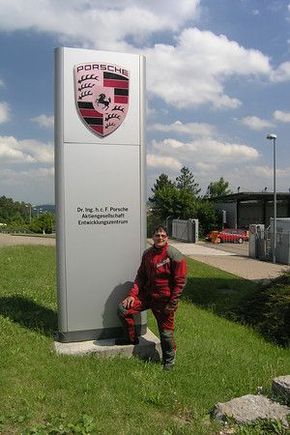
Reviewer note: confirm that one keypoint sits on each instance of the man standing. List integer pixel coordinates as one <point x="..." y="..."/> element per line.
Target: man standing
<point x="158" y="285"/>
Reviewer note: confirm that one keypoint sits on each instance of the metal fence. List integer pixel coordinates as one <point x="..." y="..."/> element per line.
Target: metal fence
<point x="262" y="245"/>
<point x="185" y="230"/>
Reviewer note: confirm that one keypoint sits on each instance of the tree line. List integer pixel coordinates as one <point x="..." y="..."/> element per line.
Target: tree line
<point x="181" y="199"/>
<point x="20" y="216"/>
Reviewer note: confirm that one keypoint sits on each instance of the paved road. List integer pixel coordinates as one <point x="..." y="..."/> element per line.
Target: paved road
<point x="238" y="263"/>
<point x="234" y="248"/>
<point x="8" y="240"/>
<point x="230" y="257"/>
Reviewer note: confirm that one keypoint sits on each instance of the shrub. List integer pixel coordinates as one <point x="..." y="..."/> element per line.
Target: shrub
<point x="268" y="310"/>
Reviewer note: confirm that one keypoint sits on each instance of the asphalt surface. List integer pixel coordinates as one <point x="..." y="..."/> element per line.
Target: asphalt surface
<point x="230" y="257"/>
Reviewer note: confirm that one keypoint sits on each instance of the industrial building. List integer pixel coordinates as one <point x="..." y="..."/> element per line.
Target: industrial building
<point x="245" y="208"/>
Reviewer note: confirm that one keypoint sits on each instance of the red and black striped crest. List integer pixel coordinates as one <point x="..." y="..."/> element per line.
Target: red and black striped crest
<point x="102" y="96"/>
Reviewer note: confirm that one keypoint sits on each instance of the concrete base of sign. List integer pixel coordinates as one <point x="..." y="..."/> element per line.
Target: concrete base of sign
<point x="148" y="348"/>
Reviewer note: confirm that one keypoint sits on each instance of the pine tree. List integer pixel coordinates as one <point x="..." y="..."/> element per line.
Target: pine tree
<point x="186" y="181"/>
<point x="162" y="181"/>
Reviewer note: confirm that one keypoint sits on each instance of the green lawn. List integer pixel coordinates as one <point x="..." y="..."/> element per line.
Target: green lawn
<point x="43" y="393"/>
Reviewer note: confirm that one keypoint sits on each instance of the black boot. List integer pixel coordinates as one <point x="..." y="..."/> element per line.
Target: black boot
<point x="168" y="348"/>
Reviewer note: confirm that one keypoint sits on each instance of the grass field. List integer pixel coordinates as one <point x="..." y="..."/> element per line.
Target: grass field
<point x="42" y="393"/>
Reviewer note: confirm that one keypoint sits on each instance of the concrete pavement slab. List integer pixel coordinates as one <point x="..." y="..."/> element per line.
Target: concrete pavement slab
<point x="244" y="267"/>
<point x="197" y="249"/>
<point x="239" y="265"/>
<point x="148" y="348"/>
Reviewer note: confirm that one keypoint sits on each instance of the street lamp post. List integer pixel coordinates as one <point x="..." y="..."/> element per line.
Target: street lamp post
<point x="30" y="211"/>
<point x="273" y="138"/>
<point x="167" y="227"/>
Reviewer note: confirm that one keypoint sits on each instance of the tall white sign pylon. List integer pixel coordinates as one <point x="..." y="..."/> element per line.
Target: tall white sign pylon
<point x="100" y="191"/>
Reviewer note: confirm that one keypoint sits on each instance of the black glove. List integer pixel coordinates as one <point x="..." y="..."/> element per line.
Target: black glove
<point x="171" y="307"/>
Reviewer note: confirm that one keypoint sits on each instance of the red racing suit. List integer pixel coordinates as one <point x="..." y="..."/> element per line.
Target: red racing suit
<point x="158" y="285"/>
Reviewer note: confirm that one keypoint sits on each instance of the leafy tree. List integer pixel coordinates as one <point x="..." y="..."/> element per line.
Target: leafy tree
<point x="162" y="181"/>
<point x="180" y="200"/>
<point x="173" y="202"/>
<point x="13" y="211"/>
<point x="163" y="201"/>
<point x="43" y="224"/>
<point x="174" y="199"/>
<point x="218" y="188"/>
<point x="186" y="181"/>
<point x="207" y="216"/>
<point x="160" y="204"/>
<point x="17" y="218"/>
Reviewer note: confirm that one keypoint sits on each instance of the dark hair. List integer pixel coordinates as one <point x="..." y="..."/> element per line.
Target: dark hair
<point x="158" y="228"/>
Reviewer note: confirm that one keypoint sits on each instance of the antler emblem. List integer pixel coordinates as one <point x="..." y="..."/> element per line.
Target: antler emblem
<point x="102" y="96"/>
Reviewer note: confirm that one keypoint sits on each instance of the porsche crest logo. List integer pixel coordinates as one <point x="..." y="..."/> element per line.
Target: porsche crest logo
<point x="102" y="96"/>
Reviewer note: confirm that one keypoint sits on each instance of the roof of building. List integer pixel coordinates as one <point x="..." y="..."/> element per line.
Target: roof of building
<point x="252" y="196"/>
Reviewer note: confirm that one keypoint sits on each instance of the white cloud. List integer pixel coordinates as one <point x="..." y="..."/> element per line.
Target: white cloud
<point x="190" y="68"/>
<point x="33" y="184"/>
<point x="205" y="168"/>
<point x="44" y="121"/>
<point x="207" y="158"/>
<point x="193" y="71"/>
<point x="12" y="155"/>
<point x="282" y="73"/>
<point x="17" y="176"/>
<point x="104" y="26"/>
<point x="253" y="177"/>
<point x="267" y="172"/>
<point x="40" y="151"/>
<point x="155" y="161"/>
<point x="168" y="143"/>
<point x="216" y="150"/>
<point x="205" y="151"/>
<point x="27" y="169"/>
<point x="191" y="128"/>
<point x="25" y="151"/>
<point x="4" y="112"/>
<point x="281" y="116"/>
<point x="256" y="123"/>
<point x="41" y="172"/>
<point x="190" y="72"/>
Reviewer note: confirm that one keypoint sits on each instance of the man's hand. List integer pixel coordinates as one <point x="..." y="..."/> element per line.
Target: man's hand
<point x="128" y="302"/>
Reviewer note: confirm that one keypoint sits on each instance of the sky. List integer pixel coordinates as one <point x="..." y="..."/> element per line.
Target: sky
<point x="224" y="85"/>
